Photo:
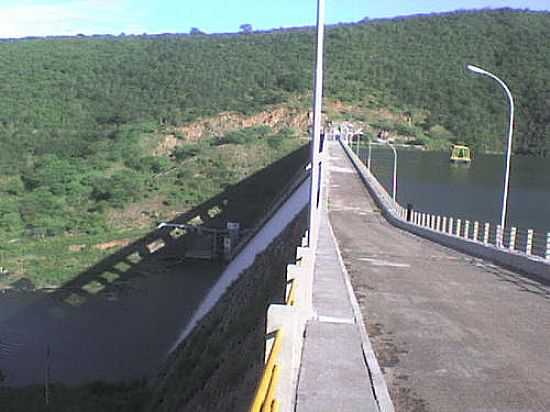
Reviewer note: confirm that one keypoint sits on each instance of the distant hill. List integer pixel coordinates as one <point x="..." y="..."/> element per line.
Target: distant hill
<point x="64" y="95"/>
<point x="419" y="61"/>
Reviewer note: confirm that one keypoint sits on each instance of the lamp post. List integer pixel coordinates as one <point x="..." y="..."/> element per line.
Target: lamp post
<point x="478" y="70"/>
<point x="369" y="157"/>
<point x="316" y="172"/>
<point x="394" y="184"/>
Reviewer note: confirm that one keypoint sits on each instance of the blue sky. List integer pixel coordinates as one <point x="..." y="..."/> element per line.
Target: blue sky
<point x="58" y="17"/>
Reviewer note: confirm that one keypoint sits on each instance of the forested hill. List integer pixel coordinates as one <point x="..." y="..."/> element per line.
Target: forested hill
<point x="67" y="95"/>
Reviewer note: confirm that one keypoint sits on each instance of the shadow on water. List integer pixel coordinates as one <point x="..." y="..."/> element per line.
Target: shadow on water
<point x="117" y="320"/>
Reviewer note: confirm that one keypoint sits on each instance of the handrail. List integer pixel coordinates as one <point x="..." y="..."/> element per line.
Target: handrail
<point x="496" y="237"/>
<point x="271" y="403"/>
<point x="281" y="363"/>
<point x="291" y="298"/>
<point x="264" y="400"/>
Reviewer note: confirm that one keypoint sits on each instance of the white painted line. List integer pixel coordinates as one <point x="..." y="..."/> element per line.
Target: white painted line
<point x="334" y="319"/>
<point x="339" y="169"/>
<point x="385" y="263"/>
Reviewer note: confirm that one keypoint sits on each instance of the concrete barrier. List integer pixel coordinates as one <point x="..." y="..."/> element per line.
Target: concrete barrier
<point x="291" y="319"/>
<point x="524" y="263"/>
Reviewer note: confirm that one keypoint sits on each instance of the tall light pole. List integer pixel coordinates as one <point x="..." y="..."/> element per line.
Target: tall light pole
<point x="478" y="70"/>
<point x="316" y="172"/>
<point x="394" y="184"/>
<point x="369" y="157"/>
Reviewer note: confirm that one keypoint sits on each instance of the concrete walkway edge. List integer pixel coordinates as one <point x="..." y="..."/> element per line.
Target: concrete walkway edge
<point x="378" y="383"/>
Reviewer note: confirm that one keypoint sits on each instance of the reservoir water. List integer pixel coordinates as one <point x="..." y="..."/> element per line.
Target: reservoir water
<point x="432" y="184"/>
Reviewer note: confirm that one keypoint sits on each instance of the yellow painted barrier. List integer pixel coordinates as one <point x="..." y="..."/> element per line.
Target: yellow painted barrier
<point x="291" y="298"/>
<point x="267" y="385"/>
<point x="270" y="401"/>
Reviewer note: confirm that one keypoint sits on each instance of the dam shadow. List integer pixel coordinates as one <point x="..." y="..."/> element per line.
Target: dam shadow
<point x="116" y="320"/>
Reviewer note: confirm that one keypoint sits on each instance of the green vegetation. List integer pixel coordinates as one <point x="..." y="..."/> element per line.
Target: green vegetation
<point x="83" y="159"/>
<point x="418" y="62"/>
<point x="58" y="212"/>
<point x="81" y="118"/>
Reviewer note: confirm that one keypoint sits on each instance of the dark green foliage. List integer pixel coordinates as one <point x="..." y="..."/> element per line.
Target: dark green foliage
<point x="419" y="61"/>
<point x="247" y="136"/>
<point x="186" y="151"/>
<point x="79" y="117"/>
<point x="119" y="189"/>
<point x="276" y="140"/>
<point x="65" y="96"/>
<point x="153" y="164"/>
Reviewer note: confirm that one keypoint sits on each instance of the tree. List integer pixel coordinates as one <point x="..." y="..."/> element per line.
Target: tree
<point x="195" y="31"/>
<point x="246" y="28"/>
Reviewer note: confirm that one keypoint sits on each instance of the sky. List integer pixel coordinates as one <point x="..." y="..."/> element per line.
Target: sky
<point x="20" y="18"/>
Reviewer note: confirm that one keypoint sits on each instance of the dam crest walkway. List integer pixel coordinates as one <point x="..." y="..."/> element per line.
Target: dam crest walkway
<point x="399" y="317"/>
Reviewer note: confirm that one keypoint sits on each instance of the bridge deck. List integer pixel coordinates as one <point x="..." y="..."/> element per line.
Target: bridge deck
<point x="333" y="374"/>
<point x="451" y="332"/>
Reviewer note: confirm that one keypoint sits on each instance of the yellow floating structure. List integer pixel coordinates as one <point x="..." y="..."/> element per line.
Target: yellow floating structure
<point x="460" y="154"/>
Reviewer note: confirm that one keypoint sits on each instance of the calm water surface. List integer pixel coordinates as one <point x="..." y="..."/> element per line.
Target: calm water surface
<point x="432" y="184"/>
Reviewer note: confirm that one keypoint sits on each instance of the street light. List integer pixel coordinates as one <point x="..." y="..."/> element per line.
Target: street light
<point x="394" y="184"/>
<point x="316" y="158"/>
<point x="369" y="157"/>
<point x="478" y="70"/>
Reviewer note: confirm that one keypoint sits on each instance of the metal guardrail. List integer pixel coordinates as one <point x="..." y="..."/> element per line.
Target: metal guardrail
<point x="522" y="241"/>
<point x="291" y="297"/>
<point x="265" y="400"/>
<point x="272" y="392"/>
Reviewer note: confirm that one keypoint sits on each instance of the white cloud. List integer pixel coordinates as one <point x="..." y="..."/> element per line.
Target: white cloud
<point x="65" y="18"/>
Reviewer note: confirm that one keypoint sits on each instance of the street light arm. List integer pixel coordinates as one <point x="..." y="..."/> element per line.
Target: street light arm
<point x="479" y="70"/>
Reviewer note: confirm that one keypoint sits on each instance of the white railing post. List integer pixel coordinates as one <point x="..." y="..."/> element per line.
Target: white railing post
<point x="438" y="223"/>
<point x="423" y="222"/>
<point x="458" y="223"/>
<point x="547" y="254"/>
<point x="444" y="224"/>
<point x="450" y="226"/>
<point x="512" y="242"/>
<point x="432" y="222"/>
<point x="486" y="233"/>
<point x="466" y="229"/>
<point x="476" y="230"/>
<point x="529" y="245"/>
<point x="499" y="236"/>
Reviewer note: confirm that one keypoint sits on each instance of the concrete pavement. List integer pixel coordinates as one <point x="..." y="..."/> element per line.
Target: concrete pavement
<point x="451" y="332"/>
<point x="333" y="372"/>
